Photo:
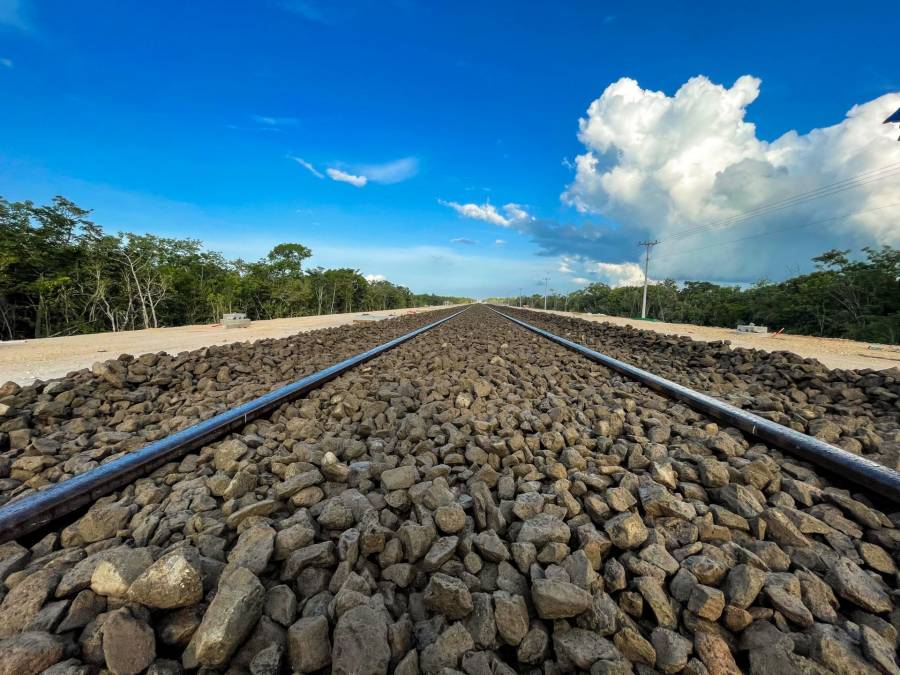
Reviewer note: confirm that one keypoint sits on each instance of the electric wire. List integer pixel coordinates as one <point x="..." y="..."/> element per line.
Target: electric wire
<point x="859" y="180"/>
<point x="778" y="231"/>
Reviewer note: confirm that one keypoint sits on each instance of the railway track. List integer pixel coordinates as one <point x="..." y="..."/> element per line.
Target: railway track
<point x="858" y="411"/>
<point x="473" y="497"/>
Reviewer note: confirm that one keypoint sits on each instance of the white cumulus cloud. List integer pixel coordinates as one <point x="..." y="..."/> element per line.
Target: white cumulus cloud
<point x="658" y="165"/>
<point x="372" y="278"/>
<point x="344" y="177"/>
<point x="499" y="242"/>
<point x="513" y="214"/>
<point x="617" y="274"/>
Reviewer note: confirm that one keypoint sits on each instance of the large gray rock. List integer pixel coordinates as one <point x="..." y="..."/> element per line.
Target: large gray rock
<point x="25" y="600"/>
<point x="129" y="645"/>
<point x="29" y="653"/>
<point x="481" y="623"/>
<point x="511" y="616"/>
<point x="448" y="596"/>
<point x="626" y="530"/>
<point x="309" y="647"/>
<point x="13" y="557"/>
<point x="672" y="650"/>
<point x="855" y="585"/>
<point x="253" y="549"/>
<point x="544" y="528"/>
<point x="102" y="521"/>
<point x="315" y="555"/>
<point x="555" y="599"/>
<point x="580" y="648"/>
<point x="652" y="591"/>
<point x="361" y="643"/>
<point x="401" y="478"/>
<point x="783" y="590"/>
<point x="447" y="650"/>
<point x="228" y="620"/>
<point x="84" y="609"/>
<point x="743" y="584"/>
<point x="175" y="580"/>
<point x="834" y="649"/>
<point x="113" y="576"/>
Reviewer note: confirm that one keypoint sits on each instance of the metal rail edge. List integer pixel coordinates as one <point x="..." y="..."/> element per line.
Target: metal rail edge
<point x="866" y="473"/>
<point x="30" y="513"/>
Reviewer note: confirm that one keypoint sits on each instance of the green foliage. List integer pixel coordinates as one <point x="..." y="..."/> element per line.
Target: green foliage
<point x="60" y="274"/>
<point x="846" y="298"/>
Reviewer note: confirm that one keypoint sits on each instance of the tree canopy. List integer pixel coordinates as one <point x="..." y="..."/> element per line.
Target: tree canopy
<point x="857" y="299"/>
<point x="61" y="274"/>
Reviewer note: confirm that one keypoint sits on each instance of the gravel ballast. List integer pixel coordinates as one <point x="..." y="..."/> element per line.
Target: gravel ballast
<point x="51" y="431"/>
<point x="856" y="410"/>
<point x="478" y="500"/>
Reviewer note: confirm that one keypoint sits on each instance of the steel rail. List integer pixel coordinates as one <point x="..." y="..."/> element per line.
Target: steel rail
<point x="30" y="513"/>
<point x="870" y="475"/>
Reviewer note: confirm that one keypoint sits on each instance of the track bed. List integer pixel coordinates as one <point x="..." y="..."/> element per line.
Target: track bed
<point x="478" y="499"/>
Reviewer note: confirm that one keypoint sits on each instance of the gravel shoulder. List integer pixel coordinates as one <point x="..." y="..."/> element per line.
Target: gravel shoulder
<point x="832" y="352"/>
<point x="23" y="361"/>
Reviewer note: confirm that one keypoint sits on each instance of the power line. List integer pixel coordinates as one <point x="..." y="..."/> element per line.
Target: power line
<point x="859" y="180"/>
<point x="778" y="231"/>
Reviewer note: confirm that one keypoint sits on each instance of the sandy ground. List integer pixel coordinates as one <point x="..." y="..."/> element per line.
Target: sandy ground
<point x="24" y="361"/>
<point x="834" y="353"/>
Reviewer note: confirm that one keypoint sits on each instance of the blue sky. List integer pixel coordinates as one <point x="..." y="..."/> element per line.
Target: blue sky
<point x="190" y="119"/>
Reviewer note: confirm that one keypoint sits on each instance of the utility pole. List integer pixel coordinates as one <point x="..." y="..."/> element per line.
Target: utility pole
<point x="520" y="296"/>
<point x="647" y="245"/>
<point x="546" y="288"/>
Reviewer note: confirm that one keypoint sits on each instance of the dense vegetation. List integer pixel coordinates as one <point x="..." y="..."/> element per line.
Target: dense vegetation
<point x="61" y="274"/>
<point x="857" y="299"/>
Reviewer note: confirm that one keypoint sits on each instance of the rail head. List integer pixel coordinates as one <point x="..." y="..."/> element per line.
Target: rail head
<point x="860" y="470"/>
<point x="29" y="513"/>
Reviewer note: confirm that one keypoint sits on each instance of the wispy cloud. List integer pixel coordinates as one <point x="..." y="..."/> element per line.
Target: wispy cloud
<point x="396" y="171"/>
<point x="463" y="240"/>
<point x="6" y="63"/>
<point x="489" y="213"/>
<point x="306" y="165"/>
<point x="500" y="242"/>
<point x="344" y="177"/>
<point x="13" y="15"/>
<point x="269" y="121"/>
<point x="361" y="175"/>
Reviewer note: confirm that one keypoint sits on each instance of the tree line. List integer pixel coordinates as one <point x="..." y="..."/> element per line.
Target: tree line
<point x="61" y="274"/>
<point x="857" y="299"/>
